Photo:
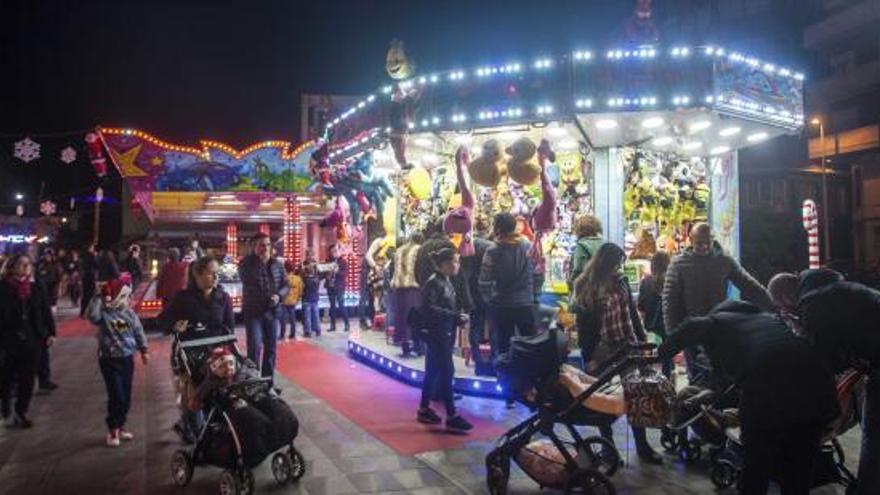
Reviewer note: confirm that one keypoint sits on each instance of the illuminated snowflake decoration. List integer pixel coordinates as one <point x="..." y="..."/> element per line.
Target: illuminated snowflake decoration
<point x="27" y="150"/>
<point x="47" y="208"/>
<point x="68" y="155"/>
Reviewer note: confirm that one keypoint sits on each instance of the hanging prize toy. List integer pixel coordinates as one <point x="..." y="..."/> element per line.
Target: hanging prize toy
<point x="544" y="218"/>
<point x="319" y="163"/>
<point x="461" y="219"/>
<point x="811" y="225"/>
<point x="96" y="154"/>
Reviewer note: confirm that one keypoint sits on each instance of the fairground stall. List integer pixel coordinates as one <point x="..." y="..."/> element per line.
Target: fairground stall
<point x="217" y="192"/>
<point x="643" y="137"/>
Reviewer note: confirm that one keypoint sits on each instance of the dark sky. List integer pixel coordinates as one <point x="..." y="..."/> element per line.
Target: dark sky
<point x="233" y="71"/>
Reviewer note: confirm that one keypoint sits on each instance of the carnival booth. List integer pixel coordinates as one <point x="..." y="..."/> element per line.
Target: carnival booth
<point x="643" y="137"/>
<point x="219" y="192"/>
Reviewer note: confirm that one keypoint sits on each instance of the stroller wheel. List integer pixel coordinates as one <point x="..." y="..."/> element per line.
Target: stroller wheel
<point x="691" y="452"/>
<point x="282" y="468"/>
<point x="229" y="483"/>
<point x="724" y="474"/>
<point x="591" y="482"/>
<point x="669" y="439"/>
<point x="602" y="455"/>
<point x="497" y="472"/>
<point x="181" y="468"/>
<point x="297" y="464"/>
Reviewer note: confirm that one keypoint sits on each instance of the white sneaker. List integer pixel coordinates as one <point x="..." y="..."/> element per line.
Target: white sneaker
<point x="125" y="435"/>
<point x="112" y="440"/>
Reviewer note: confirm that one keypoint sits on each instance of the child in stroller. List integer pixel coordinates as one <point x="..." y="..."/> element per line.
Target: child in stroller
<point x="530" y="372"/>
<point x="245" y="420"/>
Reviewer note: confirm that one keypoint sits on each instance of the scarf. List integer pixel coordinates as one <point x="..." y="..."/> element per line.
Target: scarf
<point x="21" y="286"/>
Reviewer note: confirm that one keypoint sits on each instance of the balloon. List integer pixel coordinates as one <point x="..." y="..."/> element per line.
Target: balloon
<point x="419" y="182"/>
<point x="388" y="214"/>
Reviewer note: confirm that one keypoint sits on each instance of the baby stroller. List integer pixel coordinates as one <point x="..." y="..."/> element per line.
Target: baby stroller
<point x="707" y="414"/>
<point x="245" y="422"/>
<point x="830" y="466"/>
<point x="530" y="373"/>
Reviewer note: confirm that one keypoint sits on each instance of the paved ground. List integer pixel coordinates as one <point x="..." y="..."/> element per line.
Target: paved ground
<point x="64" y="452"/>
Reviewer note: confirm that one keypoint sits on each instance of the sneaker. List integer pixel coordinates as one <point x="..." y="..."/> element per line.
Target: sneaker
<point x="48" y="386"/>
<point x="20" y="421"/>
<point x="112" y="439"/>
<point x="331" y="329"/>
<point x="346" y="328"/>
<point x="429" y="417"/>
<point x="307" y="335"/>
<point x="458" y="423"/>
<point x="125" y="435"/>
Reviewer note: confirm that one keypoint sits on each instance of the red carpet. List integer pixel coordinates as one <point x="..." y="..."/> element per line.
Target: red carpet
<point x="75" y="327"/>
<point x="379" y="404"/>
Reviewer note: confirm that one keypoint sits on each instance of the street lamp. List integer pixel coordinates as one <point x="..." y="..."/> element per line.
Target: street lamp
<point x="826" y="227"/>
<point x="19" y="196"/>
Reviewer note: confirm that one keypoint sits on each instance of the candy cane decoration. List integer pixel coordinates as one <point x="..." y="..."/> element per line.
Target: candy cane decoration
<point x="811" y="225"/>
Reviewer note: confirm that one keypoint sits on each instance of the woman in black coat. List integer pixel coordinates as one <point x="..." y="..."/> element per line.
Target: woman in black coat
<point x="26" y="326"/>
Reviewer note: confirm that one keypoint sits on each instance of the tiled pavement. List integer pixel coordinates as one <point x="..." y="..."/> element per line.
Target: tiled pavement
<point x="64" y="452"/>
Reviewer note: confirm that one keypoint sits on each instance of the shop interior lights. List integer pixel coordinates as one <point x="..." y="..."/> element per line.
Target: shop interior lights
<point x="232" y="240"/>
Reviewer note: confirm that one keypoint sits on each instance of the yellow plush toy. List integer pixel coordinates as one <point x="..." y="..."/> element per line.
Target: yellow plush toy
<point x="486" y="169"/>
<point x="418" y="180"/>
<point x="522" y="167"/>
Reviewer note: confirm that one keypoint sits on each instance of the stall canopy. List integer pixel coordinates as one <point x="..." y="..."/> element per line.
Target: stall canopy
<point x="214" y="182"/>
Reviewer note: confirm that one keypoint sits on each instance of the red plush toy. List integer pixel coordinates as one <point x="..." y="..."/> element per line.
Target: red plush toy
<point x="96" y="154"/>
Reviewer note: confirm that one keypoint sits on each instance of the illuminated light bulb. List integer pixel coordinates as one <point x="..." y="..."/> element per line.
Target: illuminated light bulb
<point x="698" y="126"/>
<point x="434" y="78"/>
<point x="692" y="145"/>
<point x="757" y="137"/>
<point x="662" y="141"/>
<point x="606" y="124"/>
<point x="652" y="122"/>
<point x="719" y="150"/>
<point x="730" y="131"/>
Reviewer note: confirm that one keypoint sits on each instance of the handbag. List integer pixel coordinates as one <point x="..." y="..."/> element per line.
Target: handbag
<point x="649" y="398"/>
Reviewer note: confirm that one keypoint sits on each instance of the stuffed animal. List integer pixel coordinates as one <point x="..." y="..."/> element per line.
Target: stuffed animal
<point x="461" y="219"/>
<point x="521" y="167"/>
<point x="544" y="217"/>
<point x="486" y="169"/>
<point x="397" y="64"/>
<point x="645" y="247"/>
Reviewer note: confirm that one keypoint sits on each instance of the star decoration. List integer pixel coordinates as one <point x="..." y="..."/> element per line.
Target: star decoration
<point x="126" y="160"/>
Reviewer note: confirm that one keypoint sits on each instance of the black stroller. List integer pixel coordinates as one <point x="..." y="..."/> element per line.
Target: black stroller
<point x="245" y="422"/>
<point x="530" y="373"/>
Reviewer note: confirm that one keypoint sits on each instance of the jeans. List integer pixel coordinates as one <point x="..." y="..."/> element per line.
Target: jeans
<point x="288" y="314"/>
<point x="117" y="373"/>
<point x="869" y="459"/>
<point x="262" y="337"/>
<point x="19" y="369"/>
<point x="517" y="320"/>
<point x="477" y="329"/>
<point x="311" y="319"/>
<point x="337" y="307"/>
<point x="365" y="299"/>
<point x="439" y="370"/>
<point x="787" y="454"/>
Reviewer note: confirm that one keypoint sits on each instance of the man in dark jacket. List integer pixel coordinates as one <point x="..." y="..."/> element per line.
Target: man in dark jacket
<point x="788" y="393"/>
<point x="334" y="283"/>
<point x="506" y="281"/>
<point x="264" y="286"/>
<point x="470" y="270"/>
<point x="842" y="319"/>
<point x="435" y="241"/>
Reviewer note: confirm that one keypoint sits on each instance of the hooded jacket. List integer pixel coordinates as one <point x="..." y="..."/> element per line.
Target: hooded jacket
<point x="120" y="333"/>
<point x="507" y="274"/>
<point x="782" y="378"/>
<point x="695" y="284"/>
<point x="583" y="251"/>
<point x="842" y="319"/>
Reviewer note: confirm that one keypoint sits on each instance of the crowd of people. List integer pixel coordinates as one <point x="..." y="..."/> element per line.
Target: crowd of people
<point x="781" y="346"/>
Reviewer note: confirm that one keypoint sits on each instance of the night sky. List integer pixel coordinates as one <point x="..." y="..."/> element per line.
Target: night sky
<point x="233" y="71"/>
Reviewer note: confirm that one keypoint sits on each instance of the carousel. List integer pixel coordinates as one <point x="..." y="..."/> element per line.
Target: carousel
<point x="644" y="137"/>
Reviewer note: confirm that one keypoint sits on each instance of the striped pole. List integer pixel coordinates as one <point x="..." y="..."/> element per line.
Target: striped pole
<point x="811" y="225"/>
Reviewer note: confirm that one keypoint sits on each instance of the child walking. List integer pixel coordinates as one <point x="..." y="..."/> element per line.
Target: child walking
<point x="288" y="308"/>
<point x="439" y="317"/>
<point x="120" y="335"/>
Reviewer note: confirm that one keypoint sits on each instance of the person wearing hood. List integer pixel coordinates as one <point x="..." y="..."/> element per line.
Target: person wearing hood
<point x="697" y="280"/>
<point x="26" y="327"/>
<point x="788" y="393"/>
<point x="588" y="230"/>
<point x="842" y="320"/>
<point x="120" y="336"/>
<point x="506" y="282"/>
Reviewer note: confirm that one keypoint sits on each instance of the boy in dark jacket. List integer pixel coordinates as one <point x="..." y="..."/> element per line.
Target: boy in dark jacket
<point x="439" y="318"/>
<point x="311" y="294"/>
<point x="120" y="335"/>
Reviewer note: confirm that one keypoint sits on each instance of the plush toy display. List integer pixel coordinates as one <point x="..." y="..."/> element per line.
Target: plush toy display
<point x="461" y="219"/>
<point x="486" y="169"/>
<point x="521" y="167"/>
